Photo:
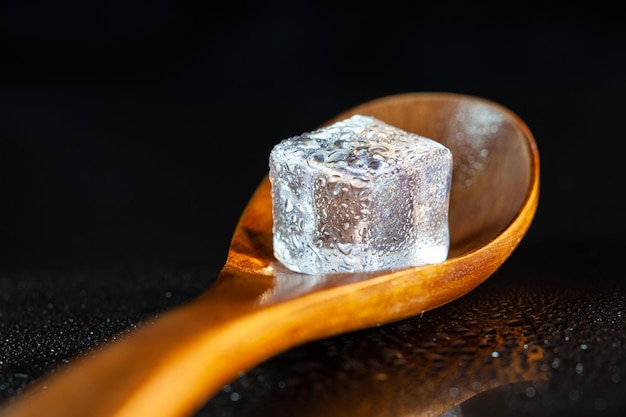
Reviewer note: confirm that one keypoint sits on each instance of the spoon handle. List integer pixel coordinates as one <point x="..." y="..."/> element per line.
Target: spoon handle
<point x="173" y="364"/>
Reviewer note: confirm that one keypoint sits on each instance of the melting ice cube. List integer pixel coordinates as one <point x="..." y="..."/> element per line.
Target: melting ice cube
<point x="359" y="195"/>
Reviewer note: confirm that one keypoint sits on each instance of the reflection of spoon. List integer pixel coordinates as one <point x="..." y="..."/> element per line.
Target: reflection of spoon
<point x="170" y="366"/>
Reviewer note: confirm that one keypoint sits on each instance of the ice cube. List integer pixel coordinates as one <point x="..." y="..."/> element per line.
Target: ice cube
<point x="359" y="195"/>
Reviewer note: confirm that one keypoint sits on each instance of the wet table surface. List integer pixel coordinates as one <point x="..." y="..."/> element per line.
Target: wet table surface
<point x="544" y="336"/>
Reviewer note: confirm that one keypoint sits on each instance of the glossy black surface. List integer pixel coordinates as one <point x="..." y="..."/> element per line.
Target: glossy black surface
<point x="525" y="343"/>
<point x="530" y="341"/>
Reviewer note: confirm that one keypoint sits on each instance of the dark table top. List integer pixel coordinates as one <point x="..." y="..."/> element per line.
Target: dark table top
<point x="544" y="336"/>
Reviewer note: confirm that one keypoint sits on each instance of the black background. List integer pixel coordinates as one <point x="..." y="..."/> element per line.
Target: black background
<point x="132" y="133"/>
<point x="137" y="129"/>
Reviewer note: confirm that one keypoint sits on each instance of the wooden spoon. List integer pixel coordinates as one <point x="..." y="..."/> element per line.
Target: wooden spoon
<point x="174" y="363"/>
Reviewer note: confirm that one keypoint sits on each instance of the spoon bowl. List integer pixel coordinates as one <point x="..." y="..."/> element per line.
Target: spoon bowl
<point x="171" y="365"/>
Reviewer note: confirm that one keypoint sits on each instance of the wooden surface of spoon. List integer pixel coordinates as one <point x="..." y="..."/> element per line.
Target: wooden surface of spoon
<point x="174" y="363"/>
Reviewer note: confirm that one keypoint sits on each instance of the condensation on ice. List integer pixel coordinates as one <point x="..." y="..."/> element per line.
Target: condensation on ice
<point x="359" y="195"/>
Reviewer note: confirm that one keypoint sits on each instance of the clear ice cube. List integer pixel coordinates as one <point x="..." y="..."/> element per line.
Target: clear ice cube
<point x="359" y="195"/>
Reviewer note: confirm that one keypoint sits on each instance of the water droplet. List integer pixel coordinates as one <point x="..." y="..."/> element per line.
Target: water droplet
<point x="579" y="368"/>
<point x="345" y="248"/>
<point x="316" y="158"/>
<point x="359" y="182"/>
